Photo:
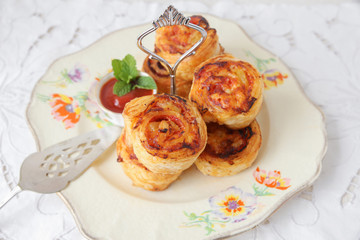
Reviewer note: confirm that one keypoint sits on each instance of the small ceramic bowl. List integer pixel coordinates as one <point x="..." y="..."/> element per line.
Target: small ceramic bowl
<point x="114" y="117"/>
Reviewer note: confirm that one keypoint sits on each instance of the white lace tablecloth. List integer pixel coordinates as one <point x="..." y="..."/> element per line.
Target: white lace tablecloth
<point x="320" y="43"/>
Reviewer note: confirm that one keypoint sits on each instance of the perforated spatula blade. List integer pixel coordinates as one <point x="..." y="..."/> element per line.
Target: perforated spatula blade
<point x="51" y="170"/>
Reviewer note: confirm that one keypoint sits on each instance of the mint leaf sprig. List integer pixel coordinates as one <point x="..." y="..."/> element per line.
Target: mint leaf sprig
<point x="128" y="77"/>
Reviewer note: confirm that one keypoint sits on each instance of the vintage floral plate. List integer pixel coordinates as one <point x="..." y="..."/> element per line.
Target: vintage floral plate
<point x="103" y="200"/>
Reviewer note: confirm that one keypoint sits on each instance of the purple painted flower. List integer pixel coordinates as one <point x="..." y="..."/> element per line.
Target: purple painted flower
<point x="77" y="74"/>
<point x="233" y="204"/>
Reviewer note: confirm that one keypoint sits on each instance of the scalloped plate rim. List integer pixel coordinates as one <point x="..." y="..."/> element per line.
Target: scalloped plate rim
<point x="229" y="233"/>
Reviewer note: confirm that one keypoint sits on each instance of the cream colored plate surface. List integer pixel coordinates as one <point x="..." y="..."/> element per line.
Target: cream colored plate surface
<point x="106" y="205"/>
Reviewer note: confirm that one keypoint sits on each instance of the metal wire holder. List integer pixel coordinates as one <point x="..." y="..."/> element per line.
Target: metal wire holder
<point x="171" y="17"/>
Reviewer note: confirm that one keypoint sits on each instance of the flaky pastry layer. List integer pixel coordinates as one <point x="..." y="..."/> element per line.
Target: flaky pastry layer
<point x="227" y="91"/>
<point x="167" y="132"/>
<point x="173" y="41"/>
<point x="137" y="172"/>
<point x="228" y="151"/>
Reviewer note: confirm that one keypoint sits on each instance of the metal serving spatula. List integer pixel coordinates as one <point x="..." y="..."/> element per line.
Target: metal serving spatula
<point x="52" y="169"/>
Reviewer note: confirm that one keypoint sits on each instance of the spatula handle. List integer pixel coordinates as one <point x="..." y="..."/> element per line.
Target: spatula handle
<point x="10" y="195"/>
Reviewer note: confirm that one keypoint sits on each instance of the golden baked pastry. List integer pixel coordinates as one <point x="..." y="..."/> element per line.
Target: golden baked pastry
<point x="228" y="151"/>
<point x="173" y="41"/>
<point x="167" y="132"/>
<point x="137" y="172"/>
<point x="227" y="91"/>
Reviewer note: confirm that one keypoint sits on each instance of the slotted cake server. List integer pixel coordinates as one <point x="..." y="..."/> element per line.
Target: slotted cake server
<point x="52" y="169"/>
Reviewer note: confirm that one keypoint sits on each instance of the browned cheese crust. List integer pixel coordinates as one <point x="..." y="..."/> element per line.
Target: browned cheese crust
<point x="227" y="91"/>
<point x="137" y="172"/>
<point x="167" y="132"/>
<point x="228" y="151"/>
<point x="173" y="41"/>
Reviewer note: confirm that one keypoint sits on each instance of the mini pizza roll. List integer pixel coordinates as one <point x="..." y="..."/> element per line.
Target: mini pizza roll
<point x="166" y="132"/>
<point x="227" y="91"/>
<point x="173" y="41"/>
<point x="137" y="172"/>
<point x="228" y="151"/>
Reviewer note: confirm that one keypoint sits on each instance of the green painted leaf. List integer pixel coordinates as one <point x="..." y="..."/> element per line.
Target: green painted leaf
<point x="208" y="211"/>
<point x="209" y="230"/>
<point x="192" y="216"/>
<point x="81" y="97"/>
<point x="43" y="98"/>
<point x="268" y="194"/>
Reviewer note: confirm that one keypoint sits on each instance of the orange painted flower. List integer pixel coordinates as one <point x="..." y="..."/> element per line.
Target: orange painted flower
<point x="272" y="78"/>
<point x="271" y="179"/>
<point x="65" y="109"/>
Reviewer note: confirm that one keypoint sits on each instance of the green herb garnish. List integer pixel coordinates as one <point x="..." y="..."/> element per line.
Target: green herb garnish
<point x="128" y="77"/>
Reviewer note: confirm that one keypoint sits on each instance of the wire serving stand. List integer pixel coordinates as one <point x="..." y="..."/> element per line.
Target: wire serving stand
<point x="171" y="17"/>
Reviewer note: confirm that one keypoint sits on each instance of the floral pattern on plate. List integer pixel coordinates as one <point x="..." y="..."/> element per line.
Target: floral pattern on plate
<point x="271" y="179"/>
<point x="272" y="77"/>
<point x="166" y="209"/>
<point x="63" y="108"/>
<point x="76" y="74"/>
<point x="229" y="206"/>
<point x="234" y="205"/>
<point x="68" y="109"/>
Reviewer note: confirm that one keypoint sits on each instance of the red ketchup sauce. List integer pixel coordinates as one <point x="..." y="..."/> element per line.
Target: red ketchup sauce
<point x="115" y="103"/>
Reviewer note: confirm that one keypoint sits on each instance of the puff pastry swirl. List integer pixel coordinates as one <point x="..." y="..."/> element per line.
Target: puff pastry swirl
<point x="137" y="172"/>
<point x="228" y="151"/>
<point x="167" y="132"/>
<point x="173" y="41"/>
<point x="227" y="91"/>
